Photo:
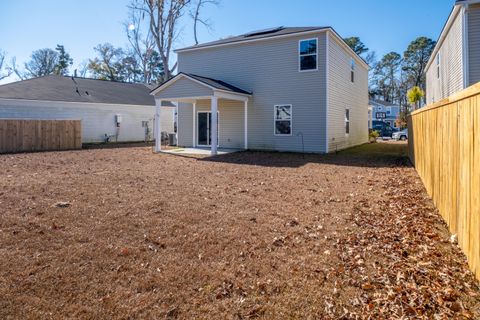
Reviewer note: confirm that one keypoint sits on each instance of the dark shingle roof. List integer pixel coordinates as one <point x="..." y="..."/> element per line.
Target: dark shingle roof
<point x="257" y="35"/>
<point x="60" y="88"/>
<point x="217" y="84"/>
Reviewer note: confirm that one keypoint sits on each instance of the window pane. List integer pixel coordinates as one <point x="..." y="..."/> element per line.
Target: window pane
<point x="283" y="113"/>
<point x="308" y="62"/>
<point x="347" y="114"/>
<point x="283" y="127"/>
<point x="308" y="47"/>
<point x="347" y="127"/>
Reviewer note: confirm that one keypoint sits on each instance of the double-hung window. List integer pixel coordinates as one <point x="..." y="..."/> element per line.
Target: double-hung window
<point x="438" y="65"/>
<point x="347" y="121"/>
<point x="352" y="70"/>
<point x="308" y="54"/>
<point x="283" y="120"/>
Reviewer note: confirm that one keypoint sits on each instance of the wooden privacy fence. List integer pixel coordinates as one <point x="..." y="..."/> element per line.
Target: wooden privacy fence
<point x="39" y="135"/>
<point x="444" y="142"/>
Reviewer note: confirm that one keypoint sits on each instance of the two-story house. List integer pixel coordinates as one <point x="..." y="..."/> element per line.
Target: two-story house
<point x="384" y="111"/>
<point x="285" y="89"/>
<point x="455" y="61"/>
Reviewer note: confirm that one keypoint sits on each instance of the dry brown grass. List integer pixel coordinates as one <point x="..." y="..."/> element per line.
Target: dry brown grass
<point x="243" y="236"/>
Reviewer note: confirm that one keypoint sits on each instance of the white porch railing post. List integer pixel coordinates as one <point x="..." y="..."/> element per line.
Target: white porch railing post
<point x="158" y="129"/>
<point x="246" y="125"/>
<point x="214" y="126"/>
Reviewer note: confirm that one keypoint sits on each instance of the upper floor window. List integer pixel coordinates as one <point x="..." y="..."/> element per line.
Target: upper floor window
<point x="352" y="70"/>
<point x="438" y="65"/>
<point x="308" y="54"/>
<point x="283" y="120"/>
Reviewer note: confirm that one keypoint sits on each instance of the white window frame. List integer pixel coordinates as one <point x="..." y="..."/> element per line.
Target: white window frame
<point x="196" y="129"/>
<point x="347" y="121"/>
<point x="275" y="120"/>
<point x="353" y="66"/>
<point x="304" y="55"/>
<point x="437" y="58"/>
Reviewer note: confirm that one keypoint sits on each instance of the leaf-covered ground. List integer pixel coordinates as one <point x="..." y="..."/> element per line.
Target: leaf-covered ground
<point x="124" y="233"/>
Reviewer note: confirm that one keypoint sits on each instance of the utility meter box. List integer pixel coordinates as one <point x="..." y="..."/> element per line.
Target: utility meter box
<point x="118" y="119"/>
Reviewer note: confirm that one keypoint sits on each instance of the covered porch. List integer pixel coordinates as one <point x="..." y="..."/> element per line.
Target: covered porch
<point x="207" y="110"/>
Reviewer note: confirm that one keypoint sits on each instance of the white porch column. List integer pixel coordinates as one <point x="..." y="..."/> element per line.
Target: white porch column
<point x="214" y="125"/>
<point x="245" y="130"/>
<point x="158" y="129"/>
<point x="194" y="141"/>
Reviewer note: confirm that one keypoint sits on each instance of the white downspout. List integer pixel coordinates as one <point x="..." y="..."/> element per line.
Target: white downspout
<point x="327" y="74"/>
<point x="466" y="50"/>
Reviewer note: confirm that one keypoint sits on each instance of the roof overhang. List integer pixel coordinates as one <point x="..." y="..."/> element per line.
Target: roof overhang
<point x="216" y="92"/>
<point x="293" y="34"/>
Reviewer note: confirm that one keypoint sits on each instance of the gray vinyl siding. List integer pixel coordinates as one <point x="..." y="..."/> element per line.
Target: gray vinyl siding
<point x="185" y="125"/>
<point x="97" y="119"/>
<point x="343" y="94"/>
<point x="185" y="88"/>
<point x="474" y="43"/>
<point x="451" y="65"/>
<point x="269" y="69"/>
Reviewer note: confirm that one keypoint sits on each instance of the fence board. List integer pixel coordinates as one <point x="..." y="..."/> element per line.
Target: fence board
<point x="444" y="146"/>
<point x="39" y="135"/>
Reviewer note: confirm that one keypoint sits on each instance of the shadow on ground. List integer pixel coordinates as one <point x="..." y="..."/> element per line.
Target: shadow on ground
<point x="367" y="155"/>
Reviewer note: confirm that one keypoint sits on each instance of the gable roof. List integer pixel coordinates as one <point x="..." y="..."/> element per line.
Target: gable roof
<point x="209" y="82"/>
<point x="255" y="35"/>
<point x="69" y="89"/>
<point x="274" y="33"/>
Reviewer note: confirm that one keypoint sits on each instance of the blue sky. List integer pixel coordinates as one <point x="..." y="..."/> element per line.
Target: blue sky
<point x="383" y="25"/>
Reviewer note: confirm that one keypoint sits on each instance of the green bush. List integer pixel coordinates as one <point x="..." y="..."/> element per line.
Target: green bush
<point x="373" y="136"/>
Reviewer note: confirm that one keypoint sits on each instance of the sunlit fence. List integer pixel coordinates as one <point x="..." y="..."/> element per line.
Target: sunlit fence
<point x="444" y="143"/>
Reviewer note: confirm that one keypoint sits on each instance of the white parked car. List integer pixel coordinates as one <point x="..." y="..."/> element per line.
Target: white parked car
<point x="400" y="135"/>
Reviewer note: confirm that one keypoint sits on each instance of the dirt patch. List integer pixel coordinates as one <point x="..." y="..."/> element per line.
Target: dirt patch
<point x="124" y="233"/>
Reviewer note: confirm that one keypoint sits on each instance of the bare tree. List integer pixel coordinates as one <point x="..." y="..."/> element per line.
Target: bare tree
<point x="197" y="19"/>
<point x="163" y="18"/>
<point x="5" y="71"/>
<point x="42" y="63"/>
<point x="142" y="46"/>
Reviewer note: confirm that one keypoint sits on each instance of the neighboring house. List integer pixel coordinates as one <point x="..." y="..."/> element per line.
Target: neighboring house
<point x="455" y="61"/>
<point x="383" y="111"/>
<point x="123" y="112"/>
<point x="285" y="89"/>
